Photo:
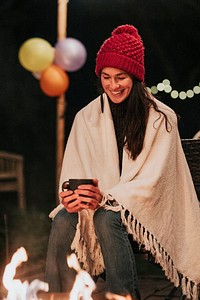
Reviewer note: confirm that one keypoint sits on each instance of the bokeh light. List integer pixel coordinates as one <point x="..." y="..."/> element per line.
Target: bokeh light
<point x="165" y="86"/>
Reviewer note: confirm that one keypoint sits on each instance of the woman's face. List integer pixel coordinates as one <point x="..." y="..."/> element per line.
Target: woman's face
<point x="116" y="83"/>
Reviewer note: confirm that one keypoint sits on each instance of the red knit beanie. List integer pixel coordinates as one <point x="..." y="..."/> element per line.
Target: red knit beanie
<point x="123" y="50"/>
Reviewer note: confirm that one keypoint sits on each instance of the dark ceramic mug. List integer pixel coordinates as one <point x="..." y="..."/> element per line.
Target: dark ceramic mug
<point x="72" y="184"/>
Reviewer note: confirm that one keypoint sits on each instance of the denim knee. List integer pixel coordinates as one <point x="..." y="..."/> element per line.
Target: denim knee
<point x="63" y="219"/>
<point x="60" y="218"/>
<point x="105" y="221"/>
<point x="57" y="273"/>
<point x="64" y="225"/>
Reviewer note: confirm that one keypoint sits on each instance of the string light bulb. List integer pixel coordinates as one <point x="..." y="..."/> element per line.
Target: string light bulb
<point x="166" y="87"/>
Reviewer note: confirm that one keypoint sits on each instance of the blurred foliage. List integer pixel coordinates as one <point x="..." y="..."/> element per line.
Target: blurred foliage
<point x="27" y="229"/>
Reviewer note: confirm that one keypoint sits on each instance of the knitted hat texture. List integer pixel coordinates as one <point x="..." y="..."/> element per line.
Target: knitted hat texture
<point x="123" y="50"/>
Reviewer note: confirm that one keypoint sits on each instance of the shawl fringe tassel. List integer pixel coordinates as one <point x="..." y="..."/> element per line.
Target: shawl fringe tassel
<point x="88" y="251"/>
<point x="144" y="238"/>
<point x="93" y="262"/>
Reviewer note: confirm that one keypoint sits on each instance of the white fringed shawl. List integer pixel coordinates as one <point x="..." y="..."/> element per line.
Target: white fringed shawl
<point x="156" y="189"/>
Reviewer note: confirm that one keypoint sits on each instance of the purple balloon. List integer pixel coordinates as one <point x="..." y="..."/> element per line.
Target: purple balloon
<point x="70" y="54"/>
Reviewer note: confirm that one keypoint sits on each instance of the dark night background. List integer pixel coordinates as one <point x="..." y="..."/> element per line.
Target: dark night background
<point x="170" y="31"/>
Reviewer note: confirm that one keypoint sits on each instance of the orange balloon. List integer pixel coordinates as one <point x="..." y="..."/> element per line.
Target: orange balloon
<point x="54" y="81"/>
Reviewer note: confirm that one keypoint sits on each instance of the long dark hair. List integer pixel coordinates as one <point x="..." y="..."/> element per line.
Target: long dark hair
<point x="137" y="116"/>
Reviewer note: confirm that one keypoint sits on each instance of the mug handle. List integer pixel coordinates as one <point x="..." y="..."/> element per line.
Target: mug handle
<point x="65" y="185"/>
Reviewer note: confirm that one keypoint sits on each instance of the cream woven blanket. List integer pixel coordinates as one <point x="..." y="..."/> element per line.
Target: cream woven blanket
<point x="156" y="189"/>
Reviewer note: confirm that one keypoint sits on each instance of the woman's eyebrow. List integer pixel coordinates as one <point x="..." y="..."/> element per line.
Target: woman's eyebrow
<point x="122" y="73"/>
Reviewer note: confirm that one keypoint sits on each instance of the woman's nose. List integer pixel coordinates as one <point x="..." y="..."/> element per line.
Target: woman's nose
<point x="114" y="84"/>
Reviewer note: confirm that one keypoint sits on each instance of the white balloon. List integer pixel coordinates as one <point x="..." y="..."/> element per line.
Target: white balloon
<point x="70" y="54"/>
<point x="37" y="75"/>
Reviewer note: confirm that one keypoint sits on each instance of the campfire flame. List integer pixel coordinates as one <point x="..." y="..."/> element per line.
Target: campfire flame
<point x="82" y="289"/>
<point x="84" y="284"/>
<point x="18" y="290"/>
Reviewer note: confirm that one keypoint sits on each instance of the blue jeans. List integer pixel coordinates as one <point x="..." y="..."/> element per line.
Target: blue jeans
<point x="57" y="274"/>
<point x="119" y="259"/>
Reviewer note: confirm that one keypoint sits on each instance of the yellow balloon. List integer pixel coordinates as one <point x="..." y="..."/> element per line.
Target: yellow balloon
<point x="36" y="54"/>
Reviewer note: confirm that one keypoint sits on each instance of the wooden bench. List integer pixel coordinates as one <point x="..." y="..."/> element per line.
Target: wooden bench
<point x="11" y="175"/>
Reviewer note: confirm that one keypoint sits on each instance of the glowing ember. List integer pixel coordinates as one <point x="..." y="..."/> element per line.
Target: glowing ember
<point x="84" y="284"/>
<point x="16" y="289"/>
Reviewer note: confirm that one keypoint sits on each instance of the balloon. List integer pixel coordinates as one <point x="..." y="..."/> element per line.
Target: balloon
<point x="54" y="81"/>
<point x="36" y="54"/>
<point x="37" y="75"/>
<point x="70" y="54"/>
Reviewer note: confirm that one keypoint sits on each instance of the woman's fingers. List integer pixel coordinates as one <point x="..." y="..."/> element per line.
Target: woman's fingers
<point x="86" y="196"/>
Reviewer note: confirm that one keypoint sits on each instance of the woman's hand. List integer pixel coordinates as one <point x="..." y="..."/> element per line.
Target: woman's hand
<point x="70" y="202"/>
<point x="86" y="196"/>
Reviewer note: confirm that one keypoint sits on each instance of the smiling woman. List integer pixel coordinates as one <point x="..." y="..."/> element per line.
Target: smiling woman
<point x="116" y="83"/>
<point x="167" y="54"/>
<point x="117" y="140"/>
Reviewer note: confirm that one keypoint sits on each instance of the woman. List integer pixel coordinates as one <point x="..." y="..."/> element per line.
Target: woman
<point x="128" y="142"/>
